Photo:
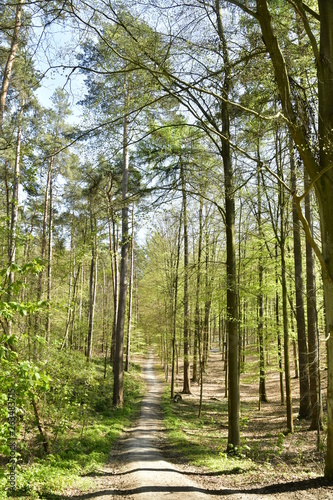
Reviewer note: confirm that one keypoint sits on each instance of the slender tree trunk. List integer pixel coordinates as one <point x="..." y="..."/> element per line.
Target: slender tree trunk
<point x="10" y="60"/>
<point x="118" y="386"/>
<point x="15" y="197"/>
<point x="80" y="307"/>
<point x="40" y="425"/>
<point x="49" y="263"/>
<point x="103" y="312"/>
<point x="186" y="382"/>
<point x="232" y="308"/>
<point x="312" y="325"/>
<point x="197" y="300"/>
<point x="290" y="423"/>
<point x="114" y="248"/>
<point x="44" y="238"/>
<point x="175" y="306"/>
<point x="129" y="319"/>
<point x="69" y="309"/>
<point x="260" y="298"/>
<point x="304" y="409"/>
<point x="92" y="283"/>
<point x="277" y="323"/>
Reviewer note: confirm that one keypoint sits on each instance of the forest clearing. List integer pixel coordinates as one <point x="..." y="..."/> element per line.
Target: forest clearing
<point x="166" y="184"/>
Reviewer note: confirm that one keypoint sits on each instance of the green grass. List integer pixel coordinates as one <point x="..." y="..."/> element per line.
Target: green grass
<point x="201" y="441"/>
<point x="83" y="442"/>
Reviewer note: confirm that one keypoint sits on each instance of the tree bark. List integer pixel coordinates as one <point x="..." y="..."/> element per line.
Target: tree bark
<point x="232" y="308"/>
<point x="49" y="263"/>
<point x="260" y="298"/>
<point x="92" y="282"/>
<point x="305" y="407"/>
<point x="118" y="369"/>
<point x="186" y="381"/>
<point x="129" y="319"/>
<point x="174" y="312"/>
<point x="290" y="423"/>
<point x="312" y="325"/>
<point x="10" y="60"/>
<point x="197" y="300"/>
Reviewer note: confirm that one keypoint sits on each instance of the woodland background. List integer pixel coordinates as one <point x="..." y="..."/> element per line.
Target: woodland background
<point x="170" y="193"/>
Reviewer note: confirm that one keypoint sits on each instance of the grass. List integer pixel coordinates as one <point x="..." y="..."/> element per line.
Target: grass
<point x="202" y="441"/>
<point x="83" y="445"/>
<point x="266" y="454"/>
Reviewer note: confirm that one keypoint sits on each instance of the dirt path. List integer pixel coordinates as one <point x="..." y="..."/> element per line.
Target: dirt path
<point x="137" y="469"/>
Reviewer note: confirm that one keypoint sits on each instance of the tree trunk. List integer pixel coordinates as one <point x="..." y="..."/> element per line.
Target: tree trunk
<point x="15" y="197"/>
<point x="313" y="333"/>
<point x="49" y="263"/>
<point x="290" y="423"/>
<point x="44" y="239"/>
<point x="114" y="248"/>
<point x="118" y="387"/>
<point x="304" y="409"/>
<point x="129" y="319"/>
<point x="232" y="309"/>
<point x="197" y="301"/>
<point x="10" y="60"/>
<point x="174" y="319"/>
<point x="92" y="282"/>
<point x="260" y="298"/>
<point x="186" y="382"/>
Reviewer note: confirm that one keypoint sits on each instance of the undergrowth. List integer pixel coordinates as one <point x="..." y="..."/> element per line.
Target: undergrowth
<point x="262" y="456"/>
<point x="201" y="441"/>
<point x="81" y="424"/>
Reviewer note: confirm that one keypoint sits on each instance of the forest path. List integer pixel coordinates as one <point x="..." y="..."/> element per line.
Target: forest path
<point x="138" y="470"/>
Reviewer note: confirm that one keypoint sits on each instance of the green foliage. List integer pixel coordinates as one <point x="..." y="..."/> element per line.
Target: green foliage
<point x="186" y="437"/>
<point x="80" y="421"/>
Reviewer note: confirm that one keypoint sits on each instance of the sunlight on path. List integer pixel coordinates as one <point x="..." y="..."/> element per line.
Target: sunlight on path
<point x="148" y="475"/>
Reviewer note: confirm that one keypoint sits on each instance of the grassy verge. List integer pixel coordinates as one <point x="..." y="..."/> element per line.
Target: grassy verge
<point x="82" y="425"/>
<point x="266" y="454"/>
<point x="200" y="441"/>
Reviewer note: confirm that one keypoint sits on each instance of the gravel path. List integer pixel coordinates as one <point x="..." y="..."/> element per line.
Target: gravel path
<point x="137" y="469"/>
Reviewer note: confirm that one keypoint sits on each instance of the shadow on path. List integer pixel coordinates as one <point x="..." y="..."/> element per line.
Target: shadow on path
<point x="267" y="490"/>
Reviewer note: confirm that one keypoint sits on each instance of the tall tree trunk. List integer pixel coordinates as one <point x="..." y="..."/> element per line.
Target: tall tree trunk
<point x="174" y="312"/>
<point x="232" y="308"/>
<point x="129" y="319"/>
<point x="10" y="60"/>
<point x="49" y="263"/>
<point x="290" y="423"/>
<point x="197" y="300"/>
<point x="44" y="238"/>
<point x="118" y="386"/>
<point x="92" y="282"/>
<point x="114" y="248"/>
<point x="305" y="408"/>
<point x="260" y="298"/>
<point x="312" y="325"/>
<point x="186" y="381"/>
<point x="14" y="207"/>
<point x="15" y="196"/>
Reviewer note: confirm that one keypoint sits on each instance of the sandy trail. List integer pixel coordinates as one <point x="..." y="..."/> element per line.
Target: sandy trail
<point x="146" y="474"/>
<point x="137" y="469"/>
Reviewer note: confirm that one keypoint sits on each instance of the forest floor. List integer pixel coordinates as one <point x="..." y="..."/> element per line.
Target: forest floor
<point x="145" y="465"/>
